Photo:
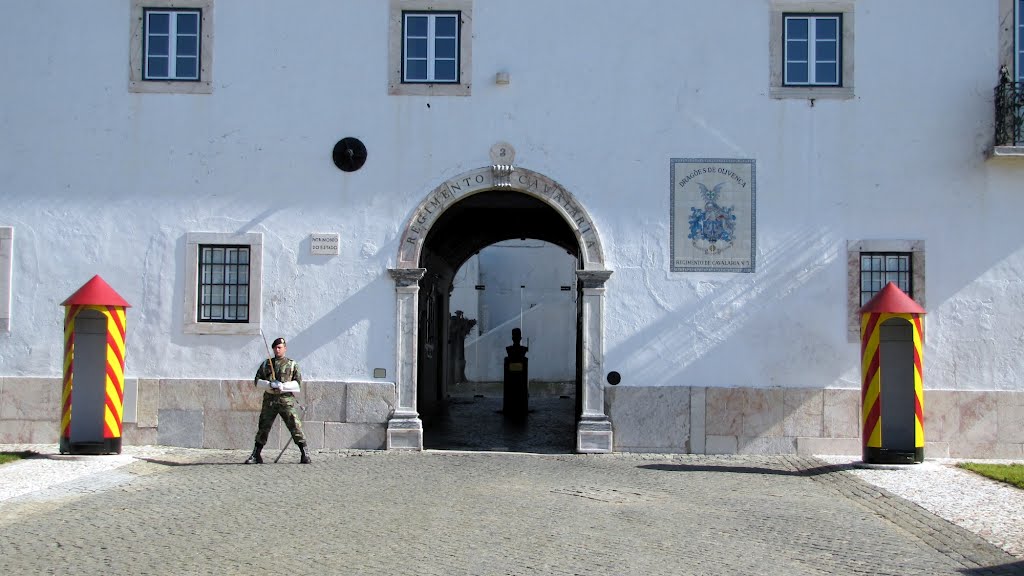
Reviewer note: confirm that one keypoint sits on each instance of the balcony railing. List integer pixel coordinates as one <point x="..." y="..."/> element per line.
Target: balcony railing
<point x="1009" y="113"/>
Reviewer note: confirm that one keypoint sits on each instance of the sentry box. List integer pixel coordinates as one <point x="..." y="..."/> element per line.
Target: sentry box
<point x="93" y="394"/>
<point x="892" y="393"/>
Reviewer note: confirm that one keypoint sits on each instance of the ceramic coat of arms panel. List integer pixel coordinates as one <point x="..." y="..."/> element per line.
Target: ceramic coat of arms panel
<point x="713" y="215"/>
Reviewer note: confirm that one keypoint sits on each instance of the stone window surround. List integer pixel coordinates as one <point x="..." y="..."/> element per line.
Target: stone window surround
<point x="254" y="241"/>
<point x="6" y="267"/>
<point x="1008" y="22"/>
<point x="775" y="49"/>
<point x="395" y="85"/>
<point x="853" y="251"/>
<point x="1007" y="37"/>
<point x="135" y="81"/>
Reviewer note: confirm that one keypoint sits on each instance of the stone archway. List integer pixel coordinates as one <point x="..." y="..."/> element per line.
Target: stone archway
<point x="594" y="429"/>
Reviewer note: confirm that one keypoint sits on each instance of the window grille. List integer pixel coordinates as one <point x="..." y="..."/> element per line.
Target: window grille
<point x="171" y="50"/>
<point x="879" y="268"/>
<point x="223" y="283"/>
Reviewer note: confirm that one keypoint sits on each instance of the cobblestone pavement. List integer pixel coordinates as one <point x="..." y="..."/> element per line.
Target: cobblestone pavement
<point x="481" y="510"/>
<point x="436" y="512"/>
<point x="471" y="422"/>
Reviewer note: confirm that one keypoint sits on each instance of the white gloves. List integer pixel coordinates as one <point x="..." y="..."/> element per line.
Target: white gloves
<point x="290" y="386"/>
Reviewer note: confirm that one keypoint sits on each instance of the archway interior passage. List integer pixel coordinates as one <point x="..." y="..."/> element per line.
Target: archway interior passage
<point x="454" y="421"/>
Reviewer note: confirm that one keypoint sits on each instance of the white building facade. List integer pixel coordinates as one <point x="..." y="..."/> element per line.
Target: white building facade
<point x="730" y="180"/>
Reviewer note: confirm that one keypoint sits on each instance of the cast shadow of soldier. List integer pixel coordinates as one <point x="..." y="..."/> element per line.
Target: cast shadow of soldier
<point x="511" y="421"/>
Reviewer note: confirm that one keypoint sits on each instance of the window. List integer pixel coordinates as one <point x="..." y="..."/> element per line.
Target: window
<point x="811" y="50"/>
<point x="171" y="46"/>
<point x="1020" y="41"/>
<point x="1019" y="54"/>
<point x="6" y="266"/>
<point x="429" y="47"/>
<point x="871" y="264"/>
<point x="877" y="269"/>
<point x="223" y="283"/>
<point x="1009" y="89"/>
<point x="171" y="40"/>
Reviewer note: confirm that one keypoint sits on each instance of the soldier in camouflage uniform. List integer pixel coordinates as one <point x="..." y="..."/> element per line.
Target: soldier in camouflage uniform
<point x="276" y="402"/>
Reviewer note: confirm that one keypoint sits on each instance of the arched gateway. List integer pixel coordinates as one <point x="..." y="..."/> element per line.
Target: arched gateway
<point x="514" y="187"/>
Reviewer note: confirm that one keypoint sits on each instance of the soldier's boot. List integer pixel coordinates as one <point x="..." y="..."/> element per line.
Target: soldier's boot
<point x="255" y="458"/>
<point x="304" y="458"/>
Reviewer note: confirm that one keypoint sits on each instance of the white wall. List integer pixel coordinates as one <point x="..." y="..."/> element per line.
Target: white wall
<point x="97" y="180"/>
<point x="545" y="313"/>
<point x="464" y="294"/>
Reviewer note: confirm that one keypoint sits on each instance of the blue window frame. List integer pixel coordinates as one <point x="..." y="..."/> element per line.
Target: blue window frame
<point x="430" y="47"/>
<point x="812" y="53"/>
<point x="171" y="44"/>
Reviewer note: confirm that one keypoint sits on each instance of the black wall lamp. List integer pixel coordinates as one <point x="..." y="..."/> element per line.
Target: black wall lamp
<point x="349" y="154"/>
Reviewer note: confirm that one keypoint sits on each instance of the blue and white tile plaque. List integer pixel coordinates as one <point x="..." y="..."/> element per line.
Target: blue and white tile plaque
<point x="713" y="215"/>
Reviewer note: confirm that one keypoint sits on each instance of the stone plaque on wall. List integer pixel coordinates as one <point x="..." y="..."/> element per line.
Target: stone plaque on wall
<point x="324" y="244"/>
<point x="713" y="215"/>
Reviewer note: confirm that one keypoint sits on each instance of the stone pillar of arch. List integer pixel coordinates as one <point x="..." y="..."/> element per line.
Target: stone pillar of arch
<point x="405" y="429"/>
<point x="594" y="430"/>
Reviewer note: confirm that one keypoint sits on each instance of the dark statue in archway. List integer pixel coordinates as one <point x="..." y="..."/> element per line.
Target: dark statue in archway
<point x="458" y="328"/>
<point x="516" y="392"/>
<point x="516" y="352"/>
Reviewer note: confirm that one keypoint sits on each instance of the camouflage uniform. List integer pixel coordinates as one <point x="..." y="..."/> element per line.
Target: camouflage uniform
<point x="283" y="403"/>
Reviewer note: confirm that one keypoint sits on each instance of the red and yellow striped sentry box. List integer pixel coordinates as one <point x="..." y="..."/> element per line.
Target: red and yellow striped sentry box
<point x="92" y="398"/>
<point x="887" y="377"/>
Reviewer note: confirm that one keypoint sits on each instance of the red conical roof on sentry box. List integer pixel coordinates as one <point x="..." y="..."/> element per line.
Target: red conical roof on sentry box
<point x="893" y="301"/>
<point x="95" y="292"/>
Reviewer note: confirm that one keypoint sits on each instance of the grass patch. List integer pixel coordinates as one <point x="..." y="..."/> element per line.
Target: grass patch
<point x="6" y="457"/>
<point x="1012" y="474"/>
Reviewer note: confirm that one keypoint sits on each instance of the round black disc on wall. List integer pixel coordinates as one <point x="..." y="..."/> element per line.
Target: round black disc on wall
<point x="349" y="154"/>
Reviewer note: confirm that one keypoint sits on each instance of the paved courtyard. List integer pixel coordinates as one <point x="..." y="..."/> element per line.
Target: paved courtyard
<point x="442" y="512"/>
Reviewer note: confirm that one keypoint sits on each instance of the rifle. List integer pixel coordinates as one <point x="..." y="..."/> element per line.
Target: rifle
<point x="270" y="355"/>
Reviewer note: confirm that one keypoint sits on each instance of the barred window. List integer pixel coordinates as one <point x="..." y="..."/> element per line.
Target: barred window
<point x="223" y="283"/>
<point x="879" y="268"/>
